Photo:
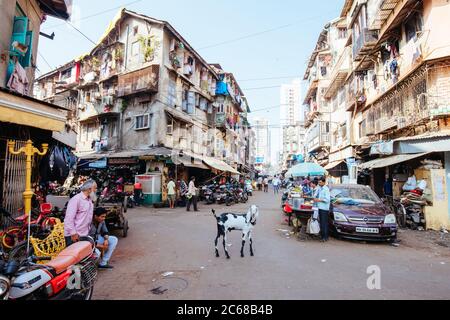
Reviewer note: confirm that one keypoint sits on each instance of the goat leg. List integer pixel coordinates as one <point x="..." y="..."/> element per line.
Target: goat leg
<point x="243" y="245"/>
<point x="225" y="246"/>
<point x="251" y="245"/>
<point x="216" y="246"/>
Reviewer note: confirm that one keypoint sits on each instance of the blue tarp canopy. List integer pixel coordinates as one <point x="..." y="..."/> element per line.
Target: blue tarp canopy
<point x="306" y="169"/>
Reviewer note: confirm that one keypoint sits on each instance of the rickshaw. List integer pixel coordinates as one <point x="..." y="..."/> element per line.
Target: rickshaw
<point x="115" y="218"/>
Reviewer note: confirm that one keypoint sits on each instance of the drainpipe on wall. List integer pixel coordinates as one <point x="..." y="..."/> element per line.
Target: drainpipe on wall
<point x="120" y="140"/>
<point x="447" y="174"/>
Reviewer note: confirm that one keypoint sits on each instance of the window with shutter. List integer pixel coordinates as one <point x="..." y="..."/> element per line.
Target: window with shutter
<point x="172" y="98"/>
<point x="19" y="34"/>
<point x="191" y="102"/>
<point x="25" y="61"/>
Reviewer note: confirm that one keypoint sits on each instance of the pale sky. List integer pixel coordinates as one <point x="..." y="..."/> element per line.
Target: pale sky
<point x="265" y="43"/>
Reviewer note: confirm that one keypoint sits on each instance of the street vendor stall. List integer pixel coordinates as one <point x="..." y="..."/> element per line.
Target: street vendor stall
<point x="300" y="209"/>
<point x="300" y="204"/>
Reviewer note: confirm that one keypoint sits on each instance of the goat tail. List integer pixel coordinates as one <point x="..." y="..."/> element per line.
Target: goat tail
<point x="214" y="213"/>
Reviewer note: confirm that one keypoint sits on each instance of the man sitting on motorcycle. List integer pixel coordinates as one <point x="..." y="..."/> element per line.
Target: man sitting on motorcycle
<point x="103" y="241"/>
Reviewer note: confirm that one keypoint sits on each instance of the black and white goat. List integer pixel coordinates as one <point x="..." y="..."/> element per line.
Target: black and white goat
<point x="228" y="222"/>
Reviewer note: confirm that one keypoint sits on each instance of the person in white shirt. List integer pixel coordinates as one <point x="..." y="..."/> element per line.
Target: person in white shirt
<point x="171" y="193"/>
<point x="323" y="201"/>
<point x="192" y="195"/>
<point x="276" y="185"/>
<point x="266" y="185"/>
<point x="260" y="182"/>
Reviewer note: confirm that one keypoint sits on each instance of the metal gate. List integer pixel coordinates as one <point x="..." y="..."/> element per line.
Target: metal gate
<point x="14" y="180"/>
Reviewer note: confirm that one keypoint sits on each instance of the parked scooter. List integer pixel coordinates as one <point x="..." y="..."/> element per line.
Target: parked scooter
<point x="410" y="215"/>
<point x="248" y="189"/>
<point x="71" y="275"/>
<point x="208" y="194"/>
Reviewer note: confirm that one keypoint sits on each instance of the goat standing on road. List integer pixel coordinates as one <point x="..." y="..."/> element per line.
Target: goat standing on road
<point x="228" y="222"/>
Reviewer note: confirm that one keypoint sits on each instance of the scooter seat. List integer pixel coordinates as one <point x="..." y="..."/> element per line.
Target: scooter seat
<point x="71" y="256"/>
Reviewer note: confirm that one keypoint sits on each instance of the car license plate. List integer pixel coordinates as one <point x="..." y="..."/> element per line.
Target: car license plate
<point x="368" y="230"/>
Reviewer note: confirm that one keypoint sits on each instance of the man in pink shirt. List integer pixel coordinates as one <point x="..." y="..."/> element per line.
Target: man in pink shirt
<point x="79" y="214"/>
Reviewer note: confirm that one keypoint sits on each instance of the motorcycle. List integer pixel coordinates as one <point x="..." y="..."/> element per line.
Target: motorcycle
<point x="410" y="215"/>
<point x="71" y="275"/>
<point x="221" y="195"/>
<point x="241" y="195"/>
<point x="208" y="194"/>
<point x="248" y="189"/>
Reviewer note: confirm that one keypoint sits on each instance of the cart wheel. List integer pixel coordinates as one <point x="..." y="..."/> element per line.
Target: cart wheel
<point x="125" y="229"/>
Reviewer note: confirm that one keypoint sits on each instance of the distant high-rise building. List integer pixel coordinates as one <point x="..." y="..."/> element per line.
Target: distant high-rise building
<point x="291" y="119"/>
<point x="263" y="152"/>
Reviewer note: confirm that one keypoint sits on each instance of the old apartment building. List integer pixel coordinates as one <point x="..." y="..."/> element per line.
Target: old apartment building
<point x="379" y="89"/>
<point x="144" y="92"/>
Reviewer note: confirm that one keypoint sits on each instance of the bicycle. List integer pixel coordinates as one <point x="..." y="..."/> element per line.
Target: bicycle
<point x="17" y="230"/>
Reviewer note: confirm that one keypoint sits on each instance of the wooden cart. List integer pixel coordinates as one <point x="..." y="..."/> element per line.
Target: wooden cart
<point x="115" y="218"/>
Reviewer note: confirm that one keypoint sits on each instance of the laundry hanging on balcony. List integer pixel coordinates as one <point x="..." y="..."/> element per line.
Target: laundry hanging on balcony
<point x="18" y="81"/>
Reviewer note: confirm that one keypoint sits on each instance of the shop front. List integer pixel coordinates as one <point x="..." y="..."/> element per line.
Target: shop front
<point x="23" y="118"/>
<point x="417" y="164"/>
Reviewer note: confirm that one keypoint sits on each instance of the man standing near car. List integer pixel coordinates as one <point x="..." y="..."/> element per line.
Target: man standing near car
<point x="323" y="201"/>
<point x="79" y="213"/>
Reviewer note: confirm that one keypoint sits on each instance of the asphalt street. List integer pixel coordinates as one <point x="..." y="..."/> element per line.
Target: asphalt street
<point x="169" y="254"/>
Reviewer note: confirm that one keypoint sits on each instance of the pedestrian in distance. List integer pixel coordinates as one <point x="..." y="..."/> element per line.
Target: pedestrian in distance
<point x="138" y="194"/>
<point x="171" y="193"/>
<point x="323" y="201"/>
<point x="260" y="183"/>
<point x="276" y="185"/>
<point x="266" y="184"/>
<point x="192" y="195"/>
<point x="79" y="213"/>
<point x="183" y="190"/>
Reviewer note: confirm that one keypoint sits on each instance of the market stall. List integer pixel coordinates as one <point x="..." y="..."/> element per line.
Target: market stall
<point x="299" y="205"/>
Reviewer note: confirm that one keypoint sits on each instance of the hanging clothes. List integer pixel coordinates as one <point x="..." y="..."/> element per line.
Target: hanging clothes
<point x="18" y="81"/>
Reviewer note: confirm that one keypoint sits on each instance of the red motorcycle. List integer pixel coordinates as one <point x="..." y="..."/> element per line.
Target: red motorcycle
<point x="71" y="275"/>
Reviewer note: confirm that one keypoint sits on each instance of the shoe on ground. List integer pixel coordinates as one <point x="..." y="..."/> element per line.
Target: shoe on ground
<point x="106" y="267"/>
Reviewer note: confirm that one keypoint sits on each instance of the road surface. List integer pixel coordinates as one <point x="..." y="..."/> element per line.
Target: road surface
<point x="163" y="240"/>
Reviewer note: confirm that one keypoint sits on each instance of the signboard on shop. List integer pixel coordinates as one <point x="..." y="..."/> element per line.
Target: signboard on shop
<point x="123" y="161"/>
<point x="259" y="160"/>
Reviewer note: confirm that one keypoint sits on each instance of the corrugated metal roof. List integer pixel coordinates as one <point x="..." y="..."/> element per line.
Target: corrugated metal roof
<point x="127" y="154"/>
<point x="390" y="161"/>
<point x="428" y="135"/>
<point x="333" y="165"/>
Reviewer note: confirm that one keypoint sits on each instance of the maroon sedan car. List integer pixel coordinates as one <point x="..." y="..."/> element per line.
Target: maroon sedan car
<point x="358" y="213"/>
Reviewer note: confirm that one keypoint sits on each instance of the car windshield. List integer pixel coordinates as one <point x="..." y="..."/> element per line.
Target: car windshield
<point x="354" y="195"/>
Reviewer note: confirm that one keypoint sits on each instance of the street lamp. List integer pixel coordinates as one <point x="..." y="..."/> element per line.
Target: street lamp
<point x="29" y="151"/>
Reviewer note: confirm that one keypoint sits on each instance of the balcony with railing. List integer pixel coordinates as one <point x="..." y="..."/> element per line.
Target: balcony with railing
<point x="364" y="43"/>
<point x="140" y="81"/>
<point x="318" y="136"/>
<point x="356" y="93"/>
<point x="339" y="74"/>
